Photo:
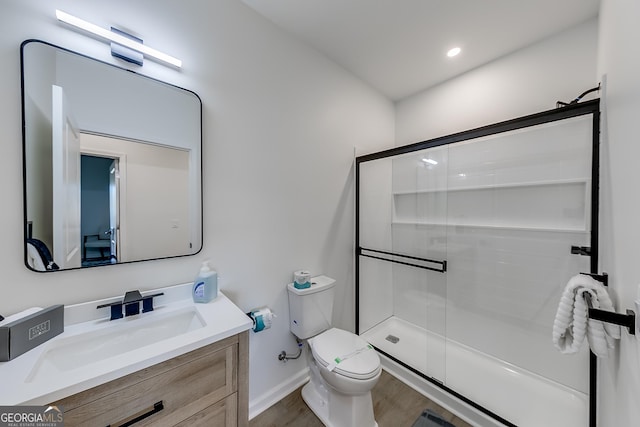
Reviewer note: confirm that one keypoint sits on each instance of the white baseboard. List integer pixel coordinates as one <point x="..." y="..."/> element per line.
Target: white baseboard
<point x="273" y="396"/>
<point x="451" y="403"/>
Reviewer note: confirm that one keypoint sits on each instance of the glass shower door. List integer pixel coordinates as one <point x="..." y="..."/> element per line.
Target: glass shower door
<point x="419" y="228"/>
<point x="403" y="258"/>
<point x="517" y="202"/>
<point x="464" y="246"/>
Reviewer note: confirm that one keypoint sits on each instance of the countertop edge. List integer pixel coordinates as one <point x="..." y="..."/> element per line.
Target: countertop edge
<point x="17" y="391"/>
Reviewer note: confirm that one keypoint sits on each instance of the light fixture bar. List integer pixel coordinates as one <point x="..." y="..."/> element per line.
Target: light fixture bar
<point x="117" y="38"/>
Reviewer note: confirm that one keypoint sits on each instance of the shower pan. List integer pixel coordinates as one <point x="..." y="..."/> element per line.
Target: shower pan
<point x="463" y="247"/>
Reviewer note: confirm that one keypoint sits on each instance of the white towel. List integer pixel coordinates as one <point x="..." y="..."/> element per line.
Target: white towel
<point x="572" y="321"/>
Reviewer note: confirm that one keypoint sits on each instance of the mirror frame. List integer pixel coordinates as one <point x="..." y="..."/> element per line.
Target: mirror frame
<point x="26" y="222"/>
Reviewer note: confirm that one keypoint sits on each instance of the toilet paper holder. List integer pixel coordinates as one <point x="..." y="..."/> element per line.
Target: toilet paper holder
<point x="262" y="318"/>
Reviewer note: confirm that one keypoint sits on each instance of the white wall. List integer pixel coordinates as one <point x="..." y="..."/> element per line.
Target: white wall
<point x="280" y="126"/>
<point x="619" y="64"/>
<point x="525" y="82"/>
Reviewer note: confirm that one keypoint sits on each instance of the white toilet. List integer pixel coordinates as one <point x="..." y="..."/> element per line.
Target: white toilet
<point x="344" y="367"/>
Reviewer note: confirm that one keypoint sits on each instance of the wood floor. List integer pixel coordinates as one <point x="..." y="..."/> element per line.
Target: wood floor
<point x="394" y="405"/>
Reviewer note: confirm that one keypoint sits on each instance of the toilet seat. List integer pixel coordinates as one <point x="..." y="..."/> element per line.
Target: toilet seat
<point x="346" y="354"/>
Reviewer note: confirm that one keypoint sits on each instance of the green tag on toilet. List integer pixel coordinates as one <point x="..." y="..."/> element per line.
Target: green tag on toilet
<point x="355" y="353"/>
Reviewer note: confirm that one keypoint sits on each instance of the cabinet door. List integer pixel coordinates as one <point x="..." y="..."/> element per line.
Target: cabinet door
<point x="184" y="390"/>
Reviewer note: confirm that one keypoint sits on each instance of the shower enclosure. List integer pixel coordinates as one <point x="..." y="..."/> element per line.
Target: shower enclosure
<point x="463" y="247"/>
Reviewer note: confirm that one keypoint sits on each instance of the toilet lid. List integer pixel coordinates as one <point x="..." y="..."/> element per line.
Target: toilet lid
<point x="346" y="354"/>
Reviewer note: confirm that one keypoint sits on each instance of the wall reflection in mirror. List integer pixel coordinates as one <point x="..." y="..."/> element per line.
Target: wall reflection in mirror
<point x="112" y="163"/>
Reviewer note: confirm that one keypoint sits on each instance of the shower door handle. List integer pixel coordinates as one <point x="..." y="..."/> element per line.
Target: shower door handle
<point x="409" y="260"/>
<point x="581" y="250"/>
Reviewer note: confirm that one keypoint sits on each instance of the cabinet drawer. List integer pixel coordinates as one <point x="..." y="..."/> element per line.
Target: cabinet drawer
<point x="185" y="385"/>
<point x="221" y="414"/>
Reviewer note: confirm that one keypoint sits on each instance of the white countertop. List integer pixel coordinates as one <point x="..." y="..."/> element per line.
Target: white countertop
<point x="19" y="385"/>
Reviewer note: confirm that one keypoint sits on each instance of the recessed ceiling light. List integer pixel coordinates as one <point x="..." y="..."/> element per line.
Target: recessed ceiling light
<point x="453" y="52"/>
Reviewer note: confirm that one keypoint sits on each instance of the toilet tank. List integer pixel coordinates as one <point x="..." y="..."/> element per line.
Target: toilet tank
<point x="310" y="309"/>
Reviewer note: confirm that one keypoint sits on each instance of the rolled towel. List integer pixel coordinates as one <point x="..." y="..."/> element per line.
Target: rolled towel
<point x="572" y="322"/>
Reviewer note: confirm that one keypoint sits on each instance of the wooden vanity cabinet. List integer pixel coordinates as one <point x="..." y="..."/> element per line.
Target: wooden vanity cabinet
<point x="205" y="387"/>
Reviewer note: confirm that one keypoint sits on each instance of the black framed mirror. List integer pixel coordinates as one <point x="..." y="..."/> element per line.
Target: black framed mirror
<point x="112" y="163"/>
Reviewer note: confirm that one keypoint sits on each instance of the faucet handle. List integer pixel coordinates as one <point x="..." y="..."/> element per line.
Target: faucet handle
<point x="147" y="302"/>
<point x="131" y="302"/>
<point x="131" y="297"/>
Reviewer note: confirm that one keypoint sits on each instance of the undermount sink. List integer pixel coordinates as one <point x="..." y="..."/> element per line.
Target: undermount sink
<point x="114" y="338"/>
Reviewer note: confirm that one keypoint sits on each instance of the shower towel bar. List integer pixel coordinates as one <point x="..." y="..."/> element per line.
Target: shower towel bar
<point x="441" y="269"/>
<point x="626" y="320"/>
<point x="602" y="278"/>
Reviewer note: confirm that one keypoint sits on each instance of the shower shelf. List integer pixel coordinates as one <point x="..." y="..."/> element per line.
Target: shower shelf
<point x="541" y="206"/>
<point x="495" y="186"/>
<point x="496" y="227"/>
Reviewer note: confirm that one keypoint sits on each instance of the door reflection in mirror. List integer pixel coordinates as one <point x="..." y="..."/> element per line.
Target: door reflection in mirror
<point x="98" y="179"/>
<point x="66" y="181"/>
<point x="144" y="199"/>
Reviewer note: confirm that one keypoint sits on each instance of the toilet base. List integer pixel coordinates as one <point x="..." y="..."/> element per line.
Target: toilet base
<point x="317" y="403"/>
<point x="335" y="409"/>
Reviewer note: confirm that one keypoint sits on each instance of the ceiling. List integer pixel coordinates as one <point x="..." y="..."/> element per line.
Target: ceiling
<point x="399" y="46"/>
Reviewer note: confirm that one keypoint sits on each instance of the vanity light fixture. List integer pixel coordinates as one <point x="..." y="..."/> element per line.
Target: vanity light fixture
<point x="430" y="161"/>
<point x="118" y="37"/>
<point x="453" y="52"/>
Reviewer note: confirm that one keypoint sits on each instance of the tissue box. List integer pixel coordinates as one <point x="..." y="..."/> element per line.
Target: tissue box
<point x="19" y="336"/>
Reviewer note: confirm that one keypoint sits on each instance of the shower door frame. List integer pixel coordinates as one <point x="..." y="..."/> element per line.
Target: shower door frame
<point x="570" y="111"/>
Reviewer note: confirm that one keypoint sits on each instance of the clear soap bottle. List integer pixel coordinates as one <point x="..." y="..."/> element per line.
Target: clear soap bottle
<point x="205" y="287"/>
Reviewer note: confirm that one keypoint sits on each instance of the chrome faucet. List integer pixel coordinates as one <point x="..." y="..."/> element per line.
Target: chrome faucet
<point x="131" y="302"/>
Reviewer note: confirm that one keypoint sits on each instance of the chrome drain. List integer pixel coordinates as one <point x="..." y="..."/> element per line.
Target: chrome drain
<point x="392" y="339"/>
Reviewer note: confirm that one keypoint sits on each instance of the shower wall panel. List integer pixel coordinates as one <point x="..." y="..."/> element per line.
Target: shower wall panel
<point x="376" y="291"/>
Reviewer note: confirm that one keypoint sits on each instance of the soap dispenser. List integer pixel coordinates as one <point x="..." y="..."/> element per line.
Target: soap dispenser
<point x="205" y="287"/>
